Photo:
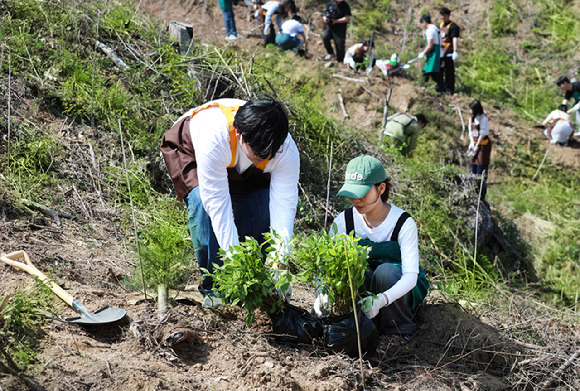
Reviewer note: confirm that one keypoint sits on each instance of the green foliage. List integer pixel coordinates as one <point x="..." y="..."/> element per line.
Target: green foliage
<point x="165" y="250"/>
<point x="369" y="19"/>
<point x="30" y="159"/>
<point x="245" y="279"/>
<point x="21" y="322"/>
<point x="504" y="17"/>
<point x="549" y="209"/>
<point x="336" y="262"/>
<point x="560" y="21"/>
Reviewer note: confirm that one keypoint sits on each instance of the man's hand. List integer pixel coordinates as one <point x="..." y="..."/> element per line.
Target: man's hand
<point x="268" y="29"/>
<point x="455" y="56"/>
<point x="372" y="305"/>
<point x="421" y="55"/>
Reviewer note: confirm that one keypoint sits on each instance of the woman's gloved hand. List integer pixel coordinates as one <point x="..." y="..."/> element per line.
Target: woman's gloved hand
<point x="372" y="305"/>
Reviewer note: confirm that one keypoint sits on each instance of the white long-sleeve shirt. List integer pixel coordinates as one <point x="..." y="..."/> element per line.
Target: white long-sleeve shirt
<point x="351" y="52"/>
<point x="211" y="140"/>
<point x="271" y="7"/>
<point x="408" y="241"/>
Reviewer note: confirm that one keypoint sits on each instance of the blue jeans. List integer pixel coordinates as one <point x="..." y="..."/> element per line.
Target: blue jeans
<point x="397" y="317"/>
<point x="286" y="42"/>
<point x="229" y="22"/>
<point x="251" y="216"/>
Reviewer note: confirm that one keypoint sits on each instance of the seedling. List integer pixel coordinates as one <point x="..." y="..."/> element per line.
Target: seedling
<point x="326" y="261"/>
<point x="246" y="279"/>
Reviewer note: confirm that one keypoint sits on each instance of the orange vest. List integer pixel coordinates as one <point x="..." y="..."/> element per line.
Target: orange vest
<point x="179" y="155"/>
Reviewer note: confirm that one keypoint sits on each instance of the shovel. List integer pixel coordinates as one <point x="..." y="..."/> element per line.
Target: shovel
<point x="102" y="316"/>
<point x="408" y="64"/>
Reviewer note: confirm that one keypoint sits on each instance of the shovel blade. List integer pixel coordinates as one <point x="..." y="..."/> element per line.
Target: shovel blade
<point x="102" y="316"/>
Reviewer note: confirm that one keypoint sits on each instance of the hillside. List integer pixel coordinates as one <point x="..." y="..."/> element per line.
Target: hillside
<point x="69" y="209"/>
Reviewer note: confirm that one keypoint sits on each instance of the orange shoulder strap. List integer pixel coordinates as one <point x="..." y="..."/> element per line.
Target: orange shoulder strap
<point x="229" y="113"/>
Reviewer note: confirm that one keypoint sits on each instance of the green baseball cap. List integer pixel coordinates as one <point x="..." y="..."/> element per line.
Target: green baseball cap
<point x="361" y="174"/>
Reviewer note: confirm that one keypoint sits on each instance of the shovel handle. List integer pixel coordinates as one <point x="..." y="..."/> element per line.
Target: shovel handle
<point x="10" y="259"/>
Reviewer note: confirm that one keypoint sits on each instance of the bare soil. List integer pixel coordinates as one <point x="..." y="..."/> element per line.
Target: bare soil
<point x="459" y="346"/>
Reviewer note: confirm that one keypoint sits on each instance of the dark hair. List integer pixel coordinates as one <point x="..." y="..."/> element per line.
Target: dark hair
<point x="425" y="18"/>
<point x="476" y="108"/>
<point x="563" y="108"/>
<point x="561" y="80"/>
<point x="421" y="118"/>
<point x="288" y="4"/>
<point x="444" y="11"/>
<point x="263" y="124"/>
<point x="369" y="43"/>
<point x="385" y="195"/>
<point x="297" y="18"/>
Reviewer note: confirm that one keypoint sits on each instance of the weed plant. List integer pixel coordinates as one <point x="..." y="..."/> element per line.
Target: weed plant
<point x="21" y="322"/>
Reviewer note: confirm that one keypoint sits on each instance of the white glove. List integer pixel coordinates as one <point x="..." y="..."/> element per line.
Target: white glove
<point x="372" y="305"/>
<point x="421" y="55"/>
<point x="321" y="305"/>
<point x="267" y="29"/>
<point x="455" y="56"/>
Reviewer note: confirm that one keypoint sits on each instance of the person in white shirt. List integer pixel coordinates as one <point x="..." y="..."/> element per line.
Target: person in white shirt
<point x="287" y="38"/>
<point x="394" y="277"/>
<point x="266" y="12"/>
<point x="431" y="53"/>
<point x="236" y="167"/>
<point x="356" y="54"/>
<point x="558" y="126"/>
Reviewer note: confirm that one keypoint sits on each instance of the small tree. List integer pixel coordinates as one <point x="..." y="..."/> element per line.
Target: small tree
<point x="327" y="260"/>
<point x="166" y="255"/>
<point x="246" y="279"/>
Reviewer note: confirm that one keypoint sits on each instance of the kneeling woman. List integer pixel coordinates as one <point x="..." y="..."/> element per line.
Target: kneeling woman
<point x="395" y="276"/>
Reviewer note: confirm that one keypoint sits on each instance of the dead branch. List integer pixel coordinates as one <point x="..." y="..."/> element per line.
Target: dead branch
<point x="385" y="114"/>
<point x="371" y="93"/>
<point x="347" y="78"/>
<point x="556" y="375"/>
<point x="46" y="210"/>
<point x="341" y="102"/>
<point x="112" y="55"/>
<point x="462" y="122"/>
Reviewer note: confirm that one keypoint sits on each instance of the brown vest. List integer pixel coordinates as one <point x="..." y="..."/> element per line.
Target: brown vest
<point x="179" y="155"/>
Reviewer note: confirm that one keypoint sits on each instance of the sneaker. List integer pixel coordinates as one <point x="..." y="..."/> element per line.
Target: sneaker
<point x="328" y="57"/>
<point x="231" y="37"/>
<point x="212" y="301"/>
<point x="577" y="134"/>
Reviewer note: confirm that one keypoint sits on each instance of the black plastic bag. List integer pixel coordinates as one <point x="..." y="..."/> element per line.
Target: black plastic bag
<point x="340" y="334"/>
<point x="294" y="325"/>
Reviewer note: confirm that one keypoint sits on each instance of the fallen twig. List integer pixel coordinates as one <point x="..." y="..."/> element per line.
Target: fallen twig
<point x="552" y="379"/>
<point x="112" y="55"/>
<point x="341" y="102"/>
<point x="46" y="210"/>
<point x="462" y="122"/>
<point x="385" y="114"/>
<point x="338" y="76"/>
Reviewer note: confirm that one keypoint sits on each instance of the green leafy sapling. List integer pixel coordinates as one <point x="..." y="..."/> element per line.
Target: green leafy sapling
<point x="246" y="279"/>
<point x="326" y="261"/>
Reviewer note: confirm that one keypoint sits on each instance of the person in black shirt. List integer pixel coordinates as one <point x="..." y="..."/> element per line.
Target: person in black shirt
<point x="449" y="54"/>
<point x="336" y="16"/>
